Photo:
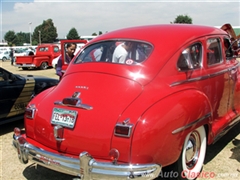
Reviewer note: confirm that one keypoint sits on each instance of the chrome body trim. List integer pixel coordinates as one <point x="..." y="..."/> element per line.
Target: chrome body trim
<point x="203" y="77"/>
<point x="75" y="97"/>
<point x="198" y="78"/>
<point x="81" y="106"/>
<point x="58" y="133"/>
<point x="85" y="166"/>
<point x="190" y="124"/>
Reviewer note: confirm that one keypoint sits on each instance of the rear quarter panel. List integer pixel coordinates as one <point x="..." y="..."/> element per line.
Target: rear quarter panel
<point x="157" y="137"/>
<point x="38" y="60"/>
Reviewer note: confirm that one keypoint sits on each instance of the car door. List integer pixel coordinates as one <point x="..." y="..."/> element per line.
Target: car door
<point x="10" y="91"/>
<point x="233" y="67"/>
<point x="219" y="87"/>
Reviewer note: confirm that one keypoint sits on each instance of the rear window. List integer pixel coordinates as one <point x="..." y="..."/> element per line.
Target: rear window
<point x="120" y="52"/>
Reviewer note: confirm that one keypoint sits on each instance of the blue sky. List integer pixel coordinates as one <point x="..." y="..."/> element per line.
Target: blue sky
<point x="93" y="16"/>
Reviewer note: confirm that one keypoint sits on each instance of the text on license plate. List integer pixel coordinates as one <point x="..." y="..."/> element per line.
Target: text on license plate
<point x="64" y="117"/>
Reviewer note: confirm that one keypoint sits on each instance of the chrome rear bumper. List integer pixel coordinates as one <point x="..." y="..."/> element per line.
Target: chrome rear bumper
<point x="85" y="166"/>
<point x="25" y="65"/>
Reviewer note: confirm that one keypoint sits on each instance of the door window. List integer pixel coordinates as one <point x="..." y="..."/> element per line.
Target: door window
<point x="214" y="55"/>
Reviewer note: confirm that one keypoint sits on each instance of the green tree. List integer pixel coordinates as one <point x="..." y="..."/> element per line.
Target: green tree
<point x="46" y="33"/>
<point x="183" y="19"/>
<point x="22" y="38"/>
<point x="11" y="38"/>
<point x="73" y="34"/>
<point x="95" y="34"/>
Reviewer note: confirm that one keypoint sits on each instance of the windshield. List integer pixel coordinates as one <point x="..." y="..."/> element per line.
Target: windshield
<point x="121" y="52"/>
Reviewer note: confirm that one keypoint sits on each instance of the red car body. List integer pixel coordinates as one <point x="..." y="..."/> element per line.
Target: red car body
<point x="177" y="93"/>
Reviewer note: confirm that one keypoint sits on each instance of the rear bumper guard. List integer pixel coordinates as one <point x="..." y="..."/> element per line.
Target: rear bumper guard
<point x="85" y="167"/>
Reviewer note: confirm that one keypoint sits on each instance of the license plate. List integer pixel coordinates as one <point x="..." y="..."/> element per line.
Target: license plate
<point x="64" y="117"/>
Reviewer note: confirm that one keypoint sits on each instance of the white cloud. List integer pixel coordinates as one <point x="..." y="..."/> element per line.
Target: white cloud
<point x="89" y="17"/>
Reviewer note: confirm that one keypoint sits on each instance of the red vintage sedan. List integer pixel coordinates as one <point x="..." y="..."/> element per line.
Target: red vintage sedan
<point x="136" y="100"/>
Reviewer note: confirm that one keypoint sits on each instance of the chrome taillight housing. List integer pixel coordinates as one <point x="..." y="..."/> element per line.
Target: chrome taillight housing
<point x="30" y="111"/>
<point x="123" y="129"/>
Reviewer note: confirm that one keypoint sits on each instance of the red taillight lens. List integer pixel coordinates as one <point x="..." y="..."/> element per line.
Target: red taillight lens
<point x="114" y="154"/>
<point x="123" y="130"/>
<point x="17" y="131"/>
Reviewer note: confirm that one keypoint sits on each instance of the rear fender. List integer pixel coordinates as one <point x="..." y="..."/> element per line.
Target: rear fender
<point x="39" y="60"/>
<point x="159" y="134"/>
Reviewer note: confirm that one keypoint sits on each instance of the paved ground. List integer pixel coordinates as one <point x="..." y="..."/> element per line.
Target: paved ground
<point x="222" y="160"/>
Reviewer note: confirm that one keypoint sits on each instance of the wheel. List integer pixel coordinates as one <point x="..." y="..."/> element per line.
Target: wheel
<point x="44" y="65"/>
<point x="190" y="162"/>
<point x="4" y="58"/>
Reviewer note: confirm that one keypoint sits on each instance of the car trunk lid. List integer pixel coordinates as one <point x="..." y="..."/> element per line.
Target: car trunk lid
<point x="106" y="95"/>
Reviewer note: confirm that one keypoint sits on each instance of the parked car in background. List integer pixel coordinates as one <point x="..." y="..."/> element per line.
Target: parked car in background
<point x="18" y="52"/>
<point x="110" y="117"/>
<point x="4" y="55"/>
<point x="17" y="90"/>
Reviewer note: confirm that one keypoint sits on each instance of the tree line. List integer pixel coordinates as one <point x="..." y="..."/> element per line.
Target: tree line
<point x="47" y="33"/>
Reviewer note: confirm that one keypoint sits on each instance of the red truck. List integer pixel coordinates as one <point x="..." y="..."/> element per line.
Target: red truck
<point x="45" y="53"/>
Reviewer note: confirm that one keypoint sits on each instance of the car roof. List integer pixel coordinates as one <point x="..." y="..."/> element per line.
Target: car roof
<point x="166" y="41"/>
<point x="163" y="32"/>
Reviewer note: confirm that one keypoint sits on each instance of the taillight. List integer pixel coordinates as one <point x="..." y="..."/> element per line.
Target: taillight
<point x="114" y="155"/>
<point x="30" y="111"/>
<point x="17" y="131"/>
<point x="123" y="130"/>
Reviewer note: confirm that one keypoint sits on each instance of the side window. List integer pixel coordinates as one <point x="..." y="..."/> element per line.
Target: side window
<point x="190" y="58"/>
<point x="4" y="76"/>
<point x="1" y="75"/>
<point x="227" y="48"/>
<point x="42" y="49"/>
<point x="213" y="51"/>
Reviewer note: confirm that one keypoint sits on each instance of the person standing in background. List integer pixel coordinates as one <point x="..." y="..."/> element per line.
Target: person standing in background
<point x="69" y="55"/>
<point x="11" y="56"/>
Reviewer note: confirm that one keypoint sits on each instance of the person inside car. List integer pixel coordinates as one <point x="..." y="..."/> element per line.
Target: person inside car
<point x="122" y="52"/>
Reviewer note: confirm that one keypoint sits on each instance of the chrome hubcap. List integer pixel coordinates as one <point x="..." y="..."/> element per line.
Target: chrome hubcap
<point x="192" y="150"/>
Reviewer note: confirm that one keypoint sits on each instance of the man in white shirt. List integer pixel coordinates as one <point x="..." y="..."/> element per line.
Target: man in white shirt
<point x="121" y="53"/>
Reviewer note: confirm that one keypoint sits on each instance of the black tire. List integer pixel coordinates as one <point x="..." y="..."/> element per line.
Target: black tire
<point x="4" y="59"/>
<point x="44" y="66"/>
<point x="24" y="68"/>
<point x="190" y="162"/>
